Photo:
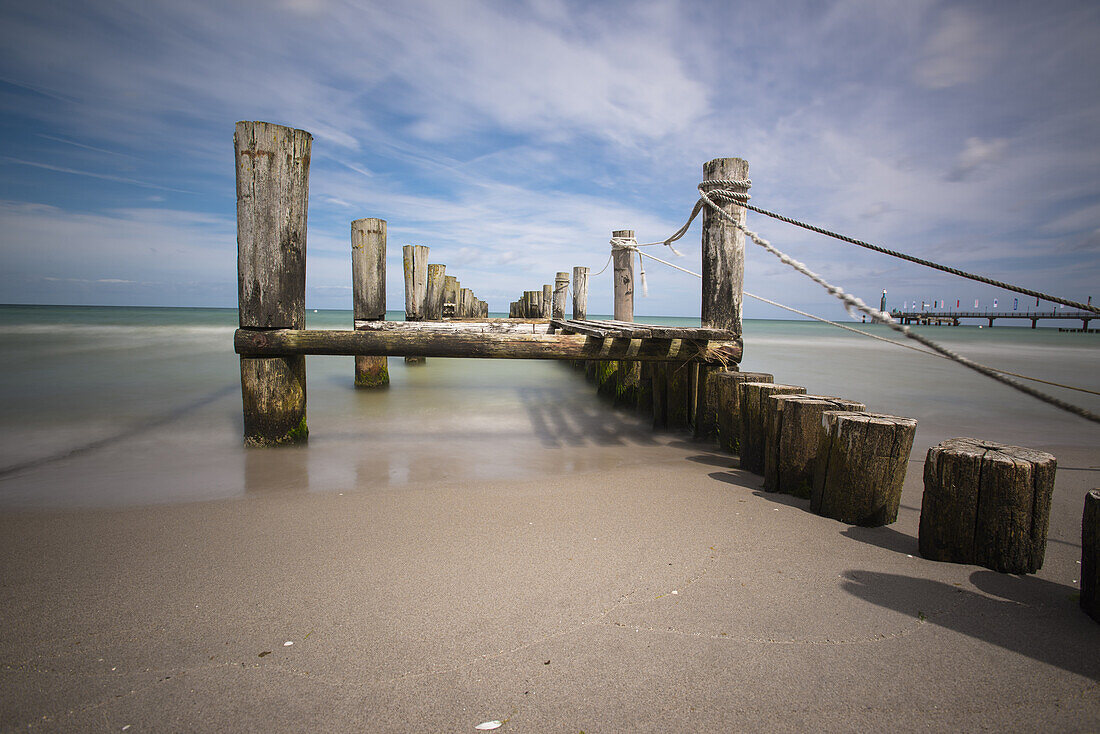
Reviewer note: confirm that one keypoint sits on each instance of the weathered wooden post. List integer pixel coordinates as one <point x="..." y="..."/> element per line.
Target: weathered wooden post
<point x="729" y="405"/>
<point x="561" y="293"/>
<point x="272" y="164"/>
<point x="450" y="295"/>
<point x="533" y="308"/>
<point x="466" y="299"/>
<point x="627" y="374"/>
<point x="793" y="435"/>
<point x="660" y="394"/>
<point x="437" y="276"/>
<point x="677" y="393"/>
<point x="580" y="292"/>
<point x="753" y="399"/>
<point x="986" y="504"/>
<point x="723" y="280"/>
<point x="368" y="276"/>
<point x="547" y="302"/>
<point x="414" y="259"/>
<point x="622" y="263"/>
<point x="860" y="467"/>
<point x="1090" y="555"/>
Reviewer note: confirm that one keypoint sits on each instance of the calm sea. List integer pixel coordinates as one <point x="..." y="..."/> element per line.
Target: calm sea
<point x="116" y="406"/>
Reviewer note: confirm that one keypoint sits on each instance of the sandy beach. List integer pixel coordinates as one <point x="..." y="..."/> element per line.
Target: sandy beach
<point x="668" y="595"/>
<point x="488" y="541"/>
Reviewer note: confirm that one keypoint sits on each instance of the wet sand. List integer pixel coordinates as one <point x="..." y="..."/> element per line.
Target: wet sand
<point x="663" y="592"/>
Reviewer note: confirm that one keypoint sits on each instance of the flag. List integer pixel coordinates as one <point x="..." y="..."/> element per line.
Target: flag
<point x="1015" y="303"/>
<point x="994" y="303"/>
<point x="975" y="303"/>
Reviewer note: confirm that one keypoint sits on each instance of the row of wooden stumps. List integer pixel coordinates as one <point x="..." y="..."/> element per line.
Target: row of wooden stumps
<point x="550" y="301"/>
<point x="984" y="503"/>
<point x="430" y="294"/>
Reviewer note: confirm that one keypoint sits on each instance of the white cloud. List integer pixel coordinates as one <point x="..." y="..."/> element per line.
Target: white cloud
<point x="977" y="156"/>
<point x="960" y="51"/>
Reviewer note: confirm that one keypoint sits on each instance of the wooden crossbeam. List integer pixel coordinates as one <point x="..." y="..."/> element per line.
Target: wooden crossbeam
<point x="420" y="342"/>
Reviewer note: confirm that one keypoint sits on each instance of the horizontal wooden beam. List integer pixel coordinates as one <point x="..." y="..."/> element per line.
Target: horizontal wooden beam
<point x="458" y="325"/>
<point x="427" y="343"/>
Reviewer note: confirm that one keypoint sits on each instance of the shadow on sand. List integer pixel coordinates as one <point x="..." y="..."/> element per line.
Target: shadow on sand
<point x="1029" y="616"/>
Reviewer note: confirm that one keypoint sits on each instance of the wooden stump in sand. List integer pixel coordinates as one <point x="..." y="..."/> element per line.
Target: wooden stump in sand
<point x="792" y="435"/>
<point x="1090" y="555"/>
<point x="860" y="467"/>
<point x="753" y="398"/>
<point x="986" y="504"/>
<point x="729" y="405"/>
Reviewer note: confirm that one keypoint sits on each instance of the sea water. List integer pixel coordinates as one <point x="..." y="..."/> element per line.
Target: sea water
<point x="120" y="406"/>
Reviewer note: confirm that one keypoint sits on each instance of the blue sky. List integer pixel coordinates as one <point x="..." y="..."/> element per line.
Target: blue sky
<point x="513" y="137"/>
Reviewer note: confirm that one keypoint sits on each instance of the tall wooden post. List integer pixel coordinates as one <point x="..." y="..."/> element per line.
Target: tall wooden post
<point x="627" y="374"/>
<point x="368" y="286"/>
<point x="580" y="292"/>
<point x="437" y="275"/>
<point x="622" y="262"/>
<point x="465" y="299"/>
<point x="547" y="301"/>
<point x="561" y="293"/>
<point x="414" y="258"/>
<point x="532" y="307"/>
<point x="272" y="165"/>
<point x="723" y="281"/>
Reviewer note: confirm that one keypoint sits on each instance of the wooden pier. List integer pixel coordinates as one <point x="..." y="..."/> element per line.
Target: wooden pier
<point x="954" y="318"/>
<point x="443" y="319"/>
<point x="849" y="462"/>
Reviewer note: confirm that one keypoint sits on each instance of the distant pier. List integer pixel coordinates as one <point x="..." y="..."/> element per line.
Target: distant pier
<point x="953" y="318"/>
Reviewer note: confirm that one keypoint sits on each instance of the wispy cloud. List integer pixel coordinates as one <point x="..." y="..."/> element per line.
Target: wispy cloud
<point x="512" y="137"/>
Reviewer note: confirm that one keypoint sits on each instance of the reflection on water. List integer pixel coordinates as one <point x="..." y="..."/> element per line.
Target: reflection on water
<point x="112" y="407"/>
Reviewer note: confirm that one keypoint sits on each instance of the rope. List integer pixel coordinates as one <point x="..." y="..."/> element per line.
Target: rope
<point x="869" y="334"/>
<point x="920" y="261"/>
<point x="629" y="244"/>
<point x="852" y="302"/>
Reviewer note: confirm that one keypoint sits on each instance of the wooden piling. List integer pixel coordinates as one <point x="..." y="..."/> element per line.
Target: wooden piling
<point x="723" y="271"/>
<point x="414" y="259"/>
<point x="793" y="436"/>
<point x="860" y="467"/>
<point x="272" y="172"/>
<point x="437" y="277"/>
<point x="450" y="295"/>
<point x="561" y="293"/>
<point x="1090" y="555"/>
<point x="533" y="305"/>
<point x="368" y="275"/>
<point x="987" y="504"/>
<point x="660" y="394"/>
<point x="628" y="374"/>
<point x="622" y="262"/>
<point x="677" y="391"/>
<point x="580" y="292"/>
<point x="547" y="302"/>
<point x="753" y="398"/>
<point x="728" y="399"/>
<point x="466" y="300"/>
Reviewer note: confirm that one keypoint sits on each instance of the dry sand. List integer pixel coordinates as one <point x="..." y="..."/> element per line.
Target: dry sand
<point x="672" y="595"/>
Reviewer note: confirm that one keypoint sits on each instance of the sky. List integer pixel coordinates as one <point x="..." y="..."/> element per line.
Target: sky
<point x="512" y="137"/>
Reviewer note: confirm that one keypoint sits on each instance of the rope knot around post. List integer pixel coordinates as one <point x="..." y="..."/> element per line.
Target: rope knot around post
<point x="630" y="244"/>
